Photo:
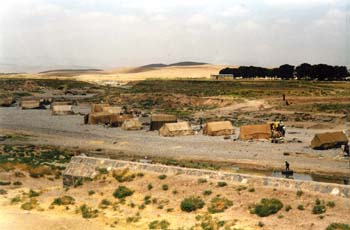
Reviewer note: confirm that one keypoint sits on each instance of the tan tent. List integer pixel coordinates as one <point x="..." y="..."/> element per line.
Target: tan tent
<point x="96" y="108"/>
<point x="176" y="129"/>
<point x="99" y="118"/>
<point x="112" y="109"/>
<point x="132" y="124"/>
<point x="61" y="109"/>
<point x="158" y="120"/>
<point x="329" y="140"/>
<point x="248" y="132"/>
<point x="30" y="104"/>
<point x="218" y="128"/>
<point x="6" y="102"/>
<point x="106" y="118"/>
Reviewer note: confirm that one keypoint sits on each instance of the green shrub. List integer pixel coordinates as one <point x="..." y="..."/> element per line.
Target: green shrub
<point x="3" y="192"/>
<point x="267" y="207"/>
<point x="338" y="226"/>
<point x="33" y="193"/>
<point x="207" y="192"/>
<point x="102" y="170"/>
<point x="91" y="192"/>
<point x="64" y="200"/>
<point x="104" y="203"/>
<point x="300" y="207"/>
<point x="162" y="177"/>
<point x="149" y="186"/>
<point x="300" y="193"/>
<point x="318" y="208"/>
<point x="165" y="187"/>
<point x="30" y="204"/>
<point x="122" y="192"/>
<point x="202" y="181"/>
<point x="222" y="184"/>
<point x="123" y="175"/>
<point x="17" y="183"/>
<point x="219" y="204"/>
<point x="163" y="225"/>
<point x="88" y="212"/>
<point x="331" y="204"/>
<point x="16" y="199"/>
<point x="251" y="190"/>
<point x="241" y="188"/>
<point x="288" y="208"/>
<point x="3" y="183"/>
<point x="147" y="199"/>
<point x="191" y="204"/>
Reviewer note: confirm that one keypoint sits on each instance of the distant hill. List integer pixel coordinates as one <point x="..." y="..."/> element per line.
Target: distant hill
<point x="71" y="70"/>
<point x="187" y="63"/>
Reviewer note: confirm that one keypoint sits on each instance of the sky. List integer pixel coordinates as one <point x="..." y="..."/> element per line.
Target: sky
<point x="38" y="34"/>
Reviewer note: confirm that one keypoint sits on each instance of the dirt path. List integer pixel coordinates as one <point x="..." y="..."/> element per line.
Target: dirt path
<point x="70" y="131"/>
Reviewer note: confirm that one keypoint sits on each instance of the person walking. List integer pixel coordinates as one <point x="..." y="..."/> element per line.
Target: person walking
<point x="287" y="165"/>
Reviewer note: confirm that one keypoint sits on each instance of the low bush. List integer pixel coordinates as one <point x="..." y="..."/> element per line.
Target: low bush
<point x="222" y="184"/>
<point x="122" y="192"/>
<point x="202" y="181"/>
<point x="330" y="204"/>
<point x="267" y="207"/>
<point x="163" y="225"/>
<point x="300" y="193"/>
<point x="104" y="203"/>
<point x="102" y="170"/>
<point x="147" y="199"/>
<point x="123" y="175"/>
<point x="319" y="207"/>
<point x="338" y="226"/>
<point x="165" y="187"/>
<point x="3" y="192"/>
<point x="300" y="207"/>
<point x="207" y="192"/>
<point x="88" y="212"/>
<point x="191" y="204"/>
<point x="3" y="183"/>
<point x="288" y="208"/>
<point x="33" y="203"/>
<point x="17" y="183"/>
<point x="219" y="204"/>
<point x="64" y="200"/>
<point x="16" y="199"/>
<point x="149" y="186"/>
<point x="162" y="177"/>
<point x="91" y="192"/>
<point x="251" y="190"/>
<point x="33" y="193"/>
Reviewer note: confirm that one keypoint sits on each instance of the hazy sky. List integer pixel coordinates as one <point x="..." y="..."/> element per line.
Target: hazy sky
<point x="110" y="33"/>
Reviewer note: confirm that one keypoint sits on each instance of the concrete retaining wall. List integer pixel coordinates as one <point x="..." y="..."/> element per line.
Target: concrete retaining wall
<point x="76" y="165"/>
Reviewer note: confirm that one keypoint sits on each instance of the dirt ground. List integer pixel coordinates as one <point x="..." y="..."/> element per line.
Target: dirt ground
<point x="69" y="131"/>
<point x="131" y="214"/>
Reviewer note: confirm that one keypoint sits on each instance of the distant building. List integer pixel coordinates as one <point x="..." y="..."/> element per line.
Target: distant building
<point x="222" y="76"/>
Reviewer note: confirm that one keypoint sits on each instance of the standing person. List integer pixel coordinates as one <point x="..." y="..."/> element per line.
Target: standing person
<point x="346" y="150"/>
<point x="287" y="166"/>
<point x="284" y="97"/>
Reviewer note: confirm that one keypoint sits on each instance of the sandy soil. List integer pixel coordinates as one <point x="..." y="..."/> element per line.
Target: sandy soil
<point x="126" y="74"/>
<point x="71" y="132"/>
<point x="238" y="215"/>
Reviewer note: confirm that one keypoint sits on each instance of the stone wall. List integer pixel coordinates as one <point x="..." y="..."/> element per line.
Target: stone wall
<point x="73" y="171"/>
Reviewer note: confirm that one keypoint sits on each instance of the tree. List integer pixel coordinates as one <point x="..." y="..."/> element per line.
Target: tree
<point x="305" y="71"/>
<point x="286" y="71"/>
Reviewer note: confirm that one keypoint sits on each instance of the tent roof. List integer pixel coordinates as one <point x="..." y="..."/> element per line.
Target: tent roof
<point x="330" y="137"/>
<point x="178" y="126"/>
<point x="163" y="117"/>
<point x="219" y="125"/>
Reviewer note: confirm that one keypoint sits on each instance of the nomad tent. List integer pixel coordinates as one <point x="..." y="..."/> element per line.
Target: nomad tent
<point x="95" y="108"/>
<point x="132" y="124"/>
<point x="30" y="104"/>
<point x="248" y="132"/>
<point x="158" y="120"/>
<point x="106" y="118"/>
<point x="329" y="140"/>
<point x="218" y="128"/>
<point x="112" y="109"/>
<point x="176" y="129"/>
<point x="62" y="109"/>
